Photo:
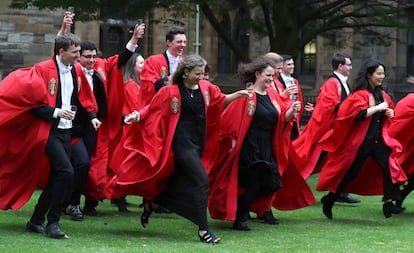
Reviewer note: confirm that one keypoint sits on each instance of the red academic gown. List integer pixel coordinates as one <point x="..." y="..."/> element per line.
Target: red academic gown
<point x="321" y="121"/>
<point x="280" y="88"/>
<point x="401" y="129"/>
<point x="223" y="176"/>
<point x="155" y="67"/>
<point x="150" y="163"/>
<point x="343" y="141"/>
<point x="110" y="132"/>
<point x="130" y="133"/>
<point x="23" y="136"/>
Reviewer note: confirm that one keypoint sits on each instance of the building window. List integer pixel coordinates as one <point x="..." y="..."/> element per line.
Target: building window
<point x="309" y="58"/>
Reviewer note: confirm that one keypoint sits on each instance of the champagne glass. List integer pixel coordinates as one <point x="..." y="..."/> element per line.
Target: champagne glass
<point x="249" y="88"/>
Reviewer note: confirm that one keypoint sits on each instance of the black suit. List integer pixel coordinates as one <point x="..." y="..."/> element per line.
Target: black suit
<point x="58" y="188"/>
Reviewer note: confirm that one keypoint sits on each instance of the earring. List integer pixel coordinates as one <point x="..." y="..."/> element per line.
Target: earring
<point x="184" y="76"/>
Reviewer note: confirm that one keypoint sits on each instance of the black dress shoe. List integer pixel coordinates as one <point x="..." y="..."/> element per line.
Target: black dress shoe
<point x="388" y="208"/>
<point x="34" y="228"/>
<point x="345" y="197"/>
<point x="240" y="225"/>
<point x="327" y="204"/>
<point x="53" y="230"/>
<point x="75" y="213"/>
<point x="268" y="218"/>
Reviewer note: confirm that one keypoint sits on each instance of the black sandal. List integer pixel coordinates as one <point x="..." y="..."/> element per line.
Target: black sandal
<point x="208" y="237"/>
<point x="146" y="213"/>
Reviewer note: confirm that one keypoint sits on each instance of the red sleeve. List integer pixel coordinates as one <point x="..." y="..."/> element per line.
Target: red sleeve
<point x="154" y="68"/>
<point x="131" y="97"/>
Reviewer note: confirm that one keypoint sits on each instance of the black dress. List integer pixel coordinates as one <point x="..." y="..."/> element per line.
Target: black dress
<point x="187" y="190"/>
<point x="256" y="156"/>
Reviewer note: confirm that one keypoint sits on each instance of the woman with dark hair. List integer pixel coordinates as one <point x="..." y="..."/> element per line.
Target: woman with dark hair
<point x="179" y="126"/>
<point x="361" y="154"/>
<point x="252" y="153"/>
<point x="132" y="85"/>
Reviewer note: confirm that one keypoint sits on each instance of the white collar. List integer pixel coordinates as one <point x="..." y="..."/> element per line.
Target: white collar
<point x="62" y="67"/>
<point x="341" y="77"/>
<point x="172" y="58"/>
<point x="88" y="71"/>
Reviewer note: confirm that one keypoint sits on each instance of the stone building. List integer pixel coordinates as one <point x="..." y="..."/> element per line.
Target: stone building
<point x="26" y="37"/>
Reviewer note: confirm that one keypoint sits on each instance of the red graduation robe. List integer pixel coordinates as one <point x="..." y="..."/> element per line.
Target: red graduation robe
<point x="23" y="136"/>
<point x="343" y="141"/>
<point x="130" y="133"/>
<point x="320" y="122"/>
<point x="155" y="67"/>
<point x="280" y="88"/>
<point x="401" y="129"/>
<point x="150" y="163"/>
<point x="223" y="176"/>
<point x="110" y="132"/>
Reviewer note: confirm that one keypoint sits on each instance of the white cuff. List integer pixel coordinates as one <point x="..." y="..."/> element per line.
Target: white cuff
<point x="131" y="47"/>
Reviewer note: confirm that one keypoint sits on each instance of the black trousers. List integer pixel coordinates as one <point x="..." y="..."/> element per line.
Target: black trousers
<point x="53" y="198"/>
<point x="380" y="153"/>
<point x="81" y="152"/>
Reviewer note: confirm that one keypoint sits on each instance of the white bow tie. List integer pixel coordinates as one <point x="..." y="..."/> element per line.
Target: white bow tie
<point x="66" y="70"/>
<point x="88" y="71"/>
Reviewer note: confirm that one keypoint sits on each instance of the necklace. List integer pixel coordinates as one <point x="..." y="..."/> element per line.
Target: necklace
<point x="189" y="91"/>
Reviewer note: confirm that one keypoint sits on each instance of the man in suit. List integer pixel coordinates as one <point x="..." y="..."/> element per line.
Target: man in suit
<point x="41" y="123"/>
<point x="332" y="93"/>
<point x="91" y="148"/>
<point x="157" y="68"/>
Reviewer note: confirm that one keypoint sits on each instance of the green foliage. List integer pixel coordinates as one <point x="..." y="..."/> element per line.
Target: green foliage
<point x="288" y="24"/>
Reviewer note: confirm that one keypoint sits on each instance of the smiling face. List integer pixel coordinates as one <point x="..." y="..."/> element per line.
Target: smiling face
<point x="265" y="78"/>
<point x="177" y="45"/>
<point x="69" y="56"/>
<point x="288" y="67"/>
<point x="88" y="58"/>
<point x="375" y="79"/>
<point x="194" y="76"/>
<point x="139" y="64"/>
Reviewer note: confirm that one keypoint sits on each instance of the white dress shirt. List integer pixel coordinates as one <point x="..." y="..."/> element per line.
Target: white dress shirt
<point x="66" y="90"/>
<point x="343" y="79"/>
<point x="174" y="61"/>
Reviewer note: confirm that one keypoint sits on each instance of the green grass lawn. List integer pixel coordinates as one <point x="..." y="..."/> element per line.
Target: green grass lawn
<point x="354" y="228"/>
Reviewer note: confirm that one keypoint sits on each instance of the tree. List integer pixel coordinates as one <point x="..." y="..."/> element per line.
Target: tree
<point x="288" y="24"/>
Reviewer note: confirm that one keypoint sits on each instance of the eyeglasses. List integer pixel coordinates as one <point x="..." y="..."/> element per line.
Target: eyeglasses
<point x="90" y="56"/>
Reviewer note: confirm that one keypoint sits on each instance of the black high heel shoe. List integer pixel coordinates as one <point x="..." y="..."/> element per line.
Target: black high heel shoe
<point x="327" y="204"/>
<point x="146" y="213"/>
<point x="207" y="237"/>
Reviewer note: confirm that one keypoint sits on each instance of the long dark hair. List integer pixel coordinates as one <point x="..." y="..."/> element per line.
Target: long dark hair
<point x="247" y="71"/>
<point x="128" y="69"/>
<point x="368" y="68"/>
